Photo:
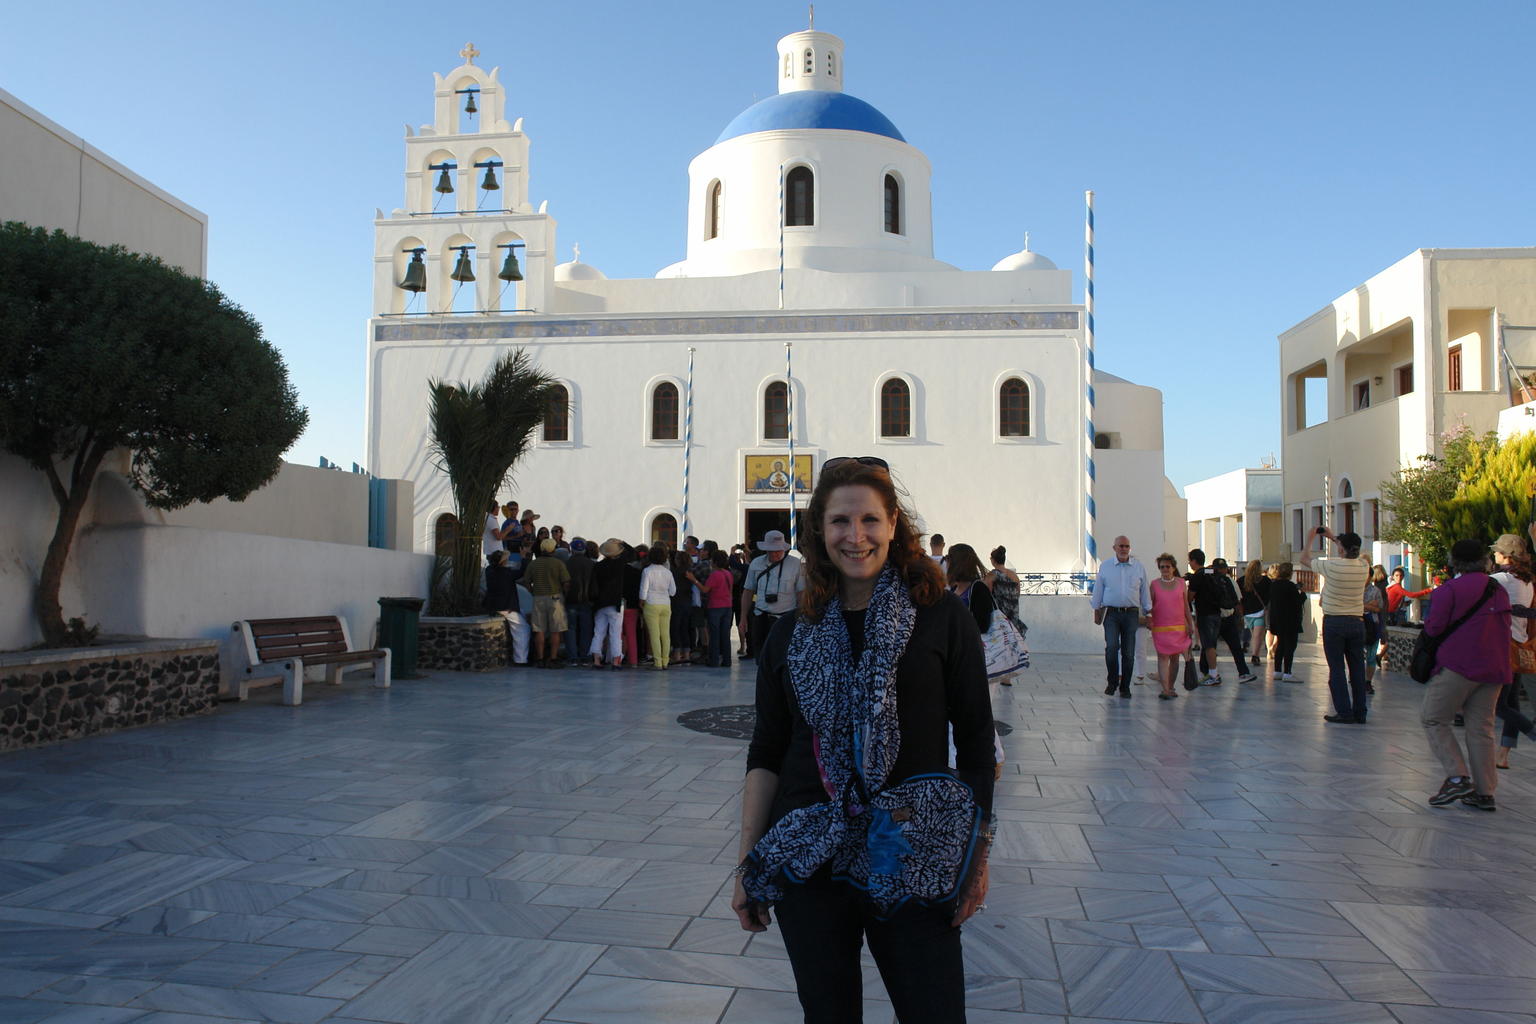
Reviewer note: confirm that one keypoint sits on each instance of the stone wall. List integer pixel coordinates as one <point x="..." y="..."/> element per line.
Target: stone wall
<point x="470" y="644"/>
<point x="46" y="696"/>
<point x="1400" y="641"/>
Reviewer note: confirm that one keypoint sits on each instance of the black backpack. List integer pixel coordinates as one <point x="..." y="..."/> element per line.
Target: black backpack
<point x="1226" y="593"/>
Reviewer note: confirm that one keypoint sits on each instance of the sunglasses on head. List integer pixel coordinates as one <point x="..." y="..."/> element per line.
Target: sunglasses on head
<point x="863" y="460"/>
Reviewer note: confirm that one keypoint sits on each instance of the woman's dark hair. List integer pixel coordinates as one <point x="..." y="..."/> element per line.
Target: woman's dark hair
<point x="925" y="583"/>
<point x="681" y="562"/>
<point x="1284" y="570"/>
<point x="999" y="554"/>
<point x="1166" y="557"/>
<point x="657" y="555"/>
<point x="719" y="559"/>
<point x="964" y="566"/>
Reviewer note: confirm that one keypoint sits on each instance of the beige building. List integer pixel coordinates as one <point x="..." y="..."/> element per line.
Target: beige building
<point x="1237" y="516"/>
<point x="1373" y="379"/>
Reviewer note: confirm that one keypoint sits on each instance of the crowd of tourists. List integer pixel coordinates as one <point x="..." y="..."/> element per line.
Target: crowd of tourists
<point x="1474" y="617"/>
<point x="572" y="601"/>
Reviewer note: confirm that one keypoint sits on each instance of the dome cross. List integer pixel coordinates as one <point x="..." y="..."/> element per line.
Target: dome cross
<point x="469" y="53"/>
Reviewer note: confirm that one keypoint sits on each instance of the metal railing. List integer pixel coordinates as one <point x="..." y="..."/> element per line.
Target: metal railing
<point x="1056" y="583"/>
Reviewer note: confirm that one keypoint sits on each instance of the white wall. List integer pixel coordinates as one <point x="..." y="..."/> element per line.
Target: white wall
<point x="1060" y="624"/>
<point x="52" y="178"/>
<point x="965" y="482"/>
<point x="172" y="581"/>
<point x="324" y="509"/>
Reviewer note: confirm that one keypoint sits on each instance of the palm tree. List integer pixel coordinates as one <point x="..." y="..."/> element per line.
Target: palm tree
<point x="479" y="432"/>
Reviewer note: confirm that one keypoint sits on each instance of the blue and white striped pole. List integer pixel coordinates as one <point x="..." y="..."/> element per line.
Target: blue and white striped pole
<point x="789" y="400"/>
<point x="1090" y="511"/>
<point x="687" y="439"/>
<point x="781" y="237"/>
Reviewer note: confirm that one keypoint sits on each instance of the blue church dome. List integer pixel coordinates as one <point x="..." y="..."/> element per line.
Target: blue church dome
<point x="810" y="109"/>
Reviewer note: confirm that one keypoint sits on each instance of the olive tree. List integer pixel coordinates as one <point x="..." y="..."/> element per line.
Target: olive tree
<point x="104" y="349"/>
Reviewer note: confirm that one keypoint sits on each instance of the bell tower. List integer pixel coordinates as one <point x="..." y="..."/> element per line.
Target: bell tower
<point x="466" y="209"/>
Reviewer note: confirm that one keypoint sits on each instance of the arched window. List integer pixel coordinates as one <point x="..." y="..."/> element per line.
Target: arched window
<point x="712" y="211"/>
<point x="443" y="533"/>
<point x="895" y="408"/>
<point x="1013" y="408"/>
<point x="776" y="410"/>
<point x="799" y="197"/>
<point x="810" y="62"/>
<point x="664" y="528"/>
<point x="892" y="204"/>
<point x="664" y="412"/>
<point x="557" y="414"/>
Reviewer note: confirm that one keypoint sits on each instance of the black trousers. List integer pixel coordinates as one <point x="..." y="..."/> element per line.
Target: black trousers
<point x="761" y="626"/>
<point x="824" y="923"/>
<point x="1285" y="650"/>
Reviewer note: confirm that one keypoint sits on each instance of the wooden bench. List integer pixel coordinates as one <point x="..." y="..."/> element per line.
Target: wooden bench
<point x="281" y="648"/>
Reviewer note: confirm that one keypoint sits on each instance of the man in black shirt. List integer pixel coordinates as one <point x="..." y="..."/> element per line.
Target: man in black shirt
<point x="1216" y="602"/>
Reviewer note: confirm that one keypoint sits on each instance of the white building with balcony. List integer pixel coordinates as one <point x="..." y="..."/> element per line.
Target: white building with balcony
<point x="1371" y="381"/>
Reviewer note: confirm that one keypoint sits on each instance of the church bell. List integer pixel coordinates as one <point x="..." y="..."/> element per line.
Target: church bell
<point x="415" y="274"/>
<point x="509" y="268"/>
<point x="490" y="184"/>
<point x="463" y="270"/>
<point x="444" y="182"/>
<point x="469" y="107"/>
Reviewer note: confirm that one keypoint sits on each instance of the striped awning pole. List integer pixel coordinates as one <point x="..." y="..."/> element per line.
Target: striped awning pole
<point x="687" y="439"/>
<point x="789" y="399"/>
<point x="1090" y="511"/>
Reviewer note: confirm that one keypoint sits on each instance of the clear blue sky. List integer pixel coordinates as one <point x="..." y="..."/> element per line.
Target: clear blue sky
<point x="1251" y="162"/>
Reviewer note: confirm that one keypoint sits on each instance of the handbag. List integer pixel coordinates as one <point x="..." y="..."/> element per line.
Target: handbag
<point x="1522" y="657"/>
<point x="1422" y="665"/>
<point x="1004" y="647"/>
<point x="1191" y="677"/>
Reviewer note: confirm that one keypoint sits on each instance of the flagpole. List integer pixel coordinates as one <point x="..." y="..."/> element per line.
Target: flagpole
<point x="789" y="398"/>
<point x="687" y="440"/>
<point x="1090" y="510"/>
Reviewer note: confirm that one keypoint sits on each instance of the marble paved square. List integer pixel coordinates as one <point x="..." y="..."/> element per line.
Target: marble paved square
<point x="553" y="846"/>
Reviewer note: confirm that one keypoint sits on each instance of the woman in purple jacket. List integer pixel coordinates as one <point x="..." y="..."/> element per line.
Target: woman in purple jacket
<point x="1471" y="665"/>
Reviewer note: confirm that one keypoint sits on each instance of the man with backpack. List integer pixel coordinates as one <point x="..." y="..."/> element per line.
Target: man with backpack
<point x="1213" y="595"/>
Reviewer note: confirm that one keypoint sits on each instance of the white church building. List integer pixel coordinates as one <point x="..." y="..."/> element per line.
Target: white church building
<point x="808" y="316"/>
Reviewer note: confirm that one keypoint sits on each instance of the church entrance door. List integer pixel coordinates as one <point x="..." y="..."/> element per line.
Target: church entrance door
<point x="760" y="520"/>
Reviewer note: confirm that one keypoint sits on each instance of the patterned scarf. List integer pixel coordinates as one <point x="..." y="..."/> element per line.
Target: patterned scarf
<point x="909" y="841"/>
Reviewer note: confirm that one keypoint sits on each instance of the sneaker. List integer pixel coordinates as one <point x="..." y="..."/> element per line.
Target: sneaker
<point x="1211" y="681"/>
<point x="1247" y="677"/>
<point x="1453" y="789"/>
<point x="1480" y="801"/>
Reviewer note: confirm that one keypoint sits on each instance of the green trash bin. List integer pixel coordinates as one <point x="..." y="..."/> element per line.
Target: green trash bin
<point x="398" y="619"/>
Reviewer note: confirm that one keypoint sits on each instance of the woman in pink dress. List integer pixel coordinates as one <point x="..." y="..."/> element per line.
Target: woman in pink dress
<point x="1172" y="623"/>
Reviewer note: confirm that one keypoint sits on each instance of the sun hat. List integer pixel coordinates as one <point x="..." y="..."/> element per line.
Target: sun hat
<point x="1509" y="545"/>
<point x="611" y="548"/>
<point x="773" y="540"/>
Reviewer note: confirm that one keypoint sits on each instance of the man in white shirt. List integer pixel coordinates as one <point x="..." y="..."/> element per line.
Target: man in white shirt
<point x="1121" y="602"/>
<point x="773" y="580"/>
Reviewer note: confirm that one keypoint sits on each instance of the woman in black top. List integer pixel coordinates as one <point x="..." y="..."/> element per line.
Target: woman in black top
<point x="1254" y="586"/>
<point x="853" y="824"/>
<point x="1284" y="620"/>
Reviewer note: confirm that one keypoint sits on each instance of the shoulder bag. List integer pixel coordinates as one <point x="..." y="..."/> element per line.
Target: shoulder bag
<point x="1004" y="648"/>
<point x="1422" y="665"/>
